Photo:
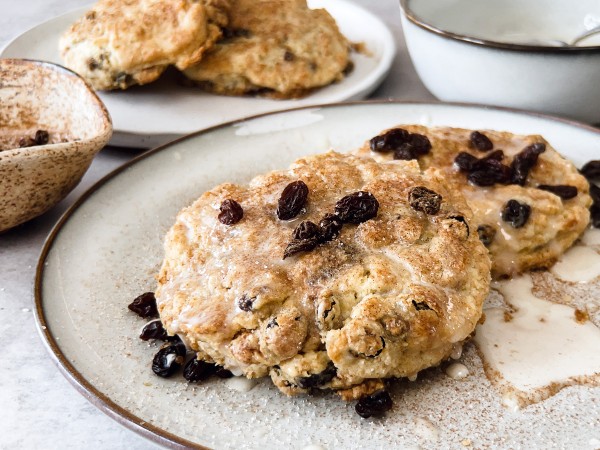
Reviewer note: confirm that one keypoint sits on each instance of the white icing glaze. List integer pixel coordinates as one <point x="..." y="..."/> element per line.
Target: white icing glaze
<point x="591" y="237"/>
<point x="240" y="384"/>
<point x="457" y="371"/>
<point x="579" y="264"/>
<point x="541" y="344"/>
<point x="313" y="447"/>
<point x="457" y="350"/>
<point x="425" y="429"/>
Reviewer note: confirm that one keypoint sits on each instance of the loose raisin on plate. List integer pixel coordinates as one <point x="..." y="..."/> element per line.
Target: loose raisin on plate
<point x="517" y="214"/>
<point x="595" y="215"/>
<point x="222" y="372"/>
<point x="169" y="359"/>
<point x="331" y="225"/>
<point x="486" y="233"/>
<point x="524" y="161"/>
<point x="231" y="212"/>
<point x="480" y="141"/>
<point x="564" y="191"/>
<point x="144" y="305"/>
<point x="595" y="193"/>
<point x="197" y="370"/>
<point x="591" y="170"/>
<point x="155" y="330"/>
<point x="306" y="236"/>
<point x="357" y="207"/>
<point x="318" y="379"/>
<point x="422" y="199"/>
<point x="292" y="200"/>
<point x="374" y="405"/>
<point x="389" y="141"/>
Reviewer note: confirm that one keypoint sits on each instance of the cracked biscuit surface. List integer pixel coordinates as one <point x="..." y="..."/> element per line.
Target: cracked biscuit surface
<point x="386" y="298"/>
<point x="276" y="48"/>
<point x="553" y="224"/>
<point x="120" y="43"/>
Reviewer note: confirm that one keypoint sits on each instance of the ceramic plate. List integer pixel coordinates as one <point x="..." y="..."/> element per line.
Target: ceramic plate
<point x="147" y="116"/>
<point x="107" y="248"/>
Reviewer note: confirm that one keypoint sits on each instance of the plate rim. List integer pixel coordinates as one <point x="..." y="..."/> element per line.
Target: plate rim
<point x="134" y="139"/>
<point x="101" y="401"/>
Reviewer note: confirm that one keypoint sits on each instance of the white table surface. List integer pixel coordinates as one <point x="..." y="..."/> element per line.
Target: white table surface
<point x="39" y="409"/>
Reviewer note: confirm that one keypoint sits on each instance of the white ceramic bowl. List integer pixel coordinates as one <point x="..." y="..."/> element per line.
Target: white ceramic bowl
<point x="42" y="96"/>
<point x="502" y="52"/>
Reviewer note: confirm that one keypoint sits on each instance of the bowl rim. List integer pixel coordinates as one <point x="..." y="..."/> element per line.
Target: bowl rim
<point x="104" y="132"/>
<point x="422" y="23"/>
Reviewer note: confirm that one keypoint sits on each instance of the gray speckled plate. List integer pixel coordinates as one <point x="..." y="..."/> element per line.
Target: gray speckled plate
<point x="107" y="248"/>
<point x="147" y="116"/>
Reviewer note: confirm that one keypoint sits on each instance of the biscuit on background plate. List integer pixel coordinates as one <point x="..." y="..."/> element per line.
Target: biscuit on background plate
<point x="121" y="43"/>
<point x="387" y="297"/>
<point x="275" y="48"/>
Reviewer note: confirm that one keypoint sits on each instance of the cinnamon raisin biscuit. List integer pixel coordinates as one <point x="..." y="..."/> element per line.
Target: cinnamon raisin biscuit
<point x="276" y="48"/>
<point x="523" y="218"/>
<point x="120" y="43"/>
<point x="386" y="291"/>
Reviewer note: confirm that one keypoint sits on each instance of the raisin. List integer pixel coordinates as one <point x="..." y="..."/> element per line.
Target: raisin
<point x="422" y="199"/>
<point x="155" y="330"/>
<point x="288" y="56"/>
<point x="564" y="191"/>
<point x="524" y="161"/>
<point x="331" y="225"/>
<point x="421" y="306"/>
<point x="41" y="137"/>
<point x="374" y="405"/>
<point x="591" y="170"/>
<point x="486" y="233"/>
<point x="462" y="219"/>
<point x="305" y="237"/>
<point x="496" y="155"/>
<point x="169" y="359"/>
<point x="144" y="305"/>
<point x="490" y="172"/>
<point x="595" y="193"/>
<point x="245" y="303"/>
<point x="306" y="230"/>
<point x="420" y="144"/>
<point x="480" y="141"/>
<point x="197" y="370"/>
<point x="516" y="213"/>
<point x="466" y="162"/>
<point x="231" y="212"/>
<point x="595" y="215"/>
<point x="26" y="142"/>
<point x="389" y="141"/>
<point x="357" y="207"/>
<point x="404" y="152"/>
<point x="318" y="379"/>
<point x="292" y="200"/>
<point x="222" y="372"/>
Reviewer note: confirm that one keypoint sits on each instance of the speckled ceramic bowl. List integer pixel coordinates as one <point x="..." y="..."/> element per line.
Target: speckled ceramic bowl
<point x="42" y="96"/>
<point x="506" y="53"/>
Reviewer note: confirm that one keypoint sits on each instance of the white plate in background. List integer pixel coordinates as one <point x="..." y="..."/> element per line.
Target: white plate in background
<point x="150" y="115"/>
<point x="107" y="248"/>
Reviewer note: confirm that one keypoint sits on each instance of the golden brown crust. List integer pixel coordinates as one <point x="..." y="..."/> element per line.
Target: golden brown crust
<point x="387" y="298"/>
<point x="277" y="48"/>
<point x="554" y="224"/>
<point x="119" y="43"/>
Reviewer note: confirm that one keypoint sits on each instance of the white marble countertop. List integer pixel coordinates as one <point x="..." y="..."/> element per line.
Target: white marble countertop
<point x="40" y="409"/>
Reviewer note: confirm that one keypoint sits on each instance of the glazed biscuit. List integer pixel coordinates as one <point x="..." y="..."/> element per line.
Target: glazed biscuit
<point x="525" y="221"/>
<point x="379" y="274"/>
<point x="120" y="43"/>
<point x="275" y="48"/>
